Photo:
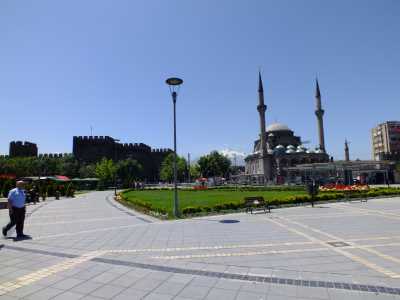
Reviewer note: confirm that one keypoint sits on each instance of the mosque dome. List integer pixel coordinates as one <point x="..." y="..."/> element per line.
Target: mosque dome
<point x="279" y="147"/>
<point x="319" y="151"/>
<point x="277" y="127"/>
<point x="310" y="151"/>
<point x="301" y="149"/>
<point x="289" y="151"/>
<point x="291" y="147"/>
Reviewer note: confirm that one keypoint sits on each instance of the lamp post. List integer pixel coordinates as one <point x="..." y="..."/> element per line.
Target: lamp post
<point x="115" y="162"/>
<point x="174" y="84"/>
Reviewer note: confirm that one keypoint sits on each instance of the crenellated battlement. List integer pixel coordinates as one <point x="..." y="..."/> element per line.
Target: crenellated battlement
<point x="93" y="139"/>
<point x="54" y="155"/>
<point x="22" y="149"/>
<point x="161" y="150"/>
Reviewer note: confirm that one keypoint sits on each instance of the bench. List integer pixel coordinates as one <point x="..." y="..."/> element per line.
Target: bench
<point x="254" y="203"/>
<point x="347" y="196"/>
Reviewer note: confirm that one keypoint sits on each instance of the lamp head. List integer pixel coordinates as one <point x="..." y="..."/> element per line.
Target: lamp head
<point x="174" y="84"/>
<point x="174" y="81"/>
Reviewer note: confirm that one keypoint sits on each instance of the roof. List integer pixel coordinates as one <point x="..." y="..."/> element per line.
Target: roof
<point x="277" y="127"/>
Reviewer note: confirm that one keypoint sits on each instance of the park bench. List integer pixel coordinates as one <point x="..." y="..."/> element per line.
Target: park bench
<point x="254" y="203"/>
<point x="349" y="193"/>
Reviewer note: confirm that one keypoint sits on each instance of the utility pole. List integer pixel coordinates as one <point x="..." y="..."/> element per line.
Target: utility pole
<point x="188" y="167"/>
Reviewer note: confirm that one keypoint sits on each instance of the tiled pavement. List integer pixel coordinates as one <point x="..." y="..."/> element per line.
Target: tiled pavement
<point x="92" y="248"/>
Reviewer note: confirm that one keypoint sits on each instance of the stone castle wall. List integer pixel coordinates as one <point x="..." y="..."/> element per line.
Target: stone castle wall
<point x="23" y="149"/>
<point x="91" y="149"/>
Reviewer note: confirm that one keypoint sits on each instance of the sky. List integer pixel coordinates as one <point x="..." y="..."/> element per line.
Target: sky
<point x="67" y="66"/>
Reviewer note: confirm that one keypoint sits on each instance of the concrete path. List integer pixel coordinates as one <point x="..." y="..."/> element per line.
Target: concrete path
<point x="92" y="248"/>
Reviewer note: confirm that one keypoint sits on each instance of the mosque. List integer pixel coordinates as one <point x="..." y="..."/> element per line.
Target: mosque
<point x="278" y="148"/>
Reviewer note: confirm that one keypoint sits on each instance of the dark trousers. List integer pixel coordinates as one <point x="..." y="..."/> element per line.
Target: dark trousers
<point x="17" y="218"/>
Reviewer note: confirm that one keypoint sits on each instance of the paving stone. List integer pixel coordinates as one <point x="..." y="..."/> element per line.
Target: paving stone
<point x="147" y="285"/>
<point x="218" y="294"/>
<point x="86" y="287"/>
<point x="68" y="296"/>
<point x="194" y="292"/>
<point x="26" y="290"/>
<point x="155" y="296"/>
<point x="130" y="294"/>
<point x="44" y="294"/>
<point x="244" y="295"/>
<point x="107" y="291"/>
<point x="66" y="284"/>
<point x="106" y="277"/>
<point x="170" y="288"/>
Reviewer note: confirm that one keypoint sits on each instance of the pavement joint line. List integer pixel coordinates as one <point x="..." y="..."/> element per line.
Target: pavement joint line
<point x="77" y="221"/>
<point x="173" y="257"/>
<point x="351" y="256"/>
<point x="311" y="216"/>
<point x="96" y="257"/>
<point x="256" y="278"/>
<point x="122" y="208"/>
<point x="91" y="231"/>
<point x="356" y="246"/>
<point x="373" y="212"/>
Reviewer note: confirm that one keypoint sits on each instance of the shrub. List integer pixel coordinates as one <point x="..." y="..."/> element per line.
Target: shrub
<point x="191" y="210"/>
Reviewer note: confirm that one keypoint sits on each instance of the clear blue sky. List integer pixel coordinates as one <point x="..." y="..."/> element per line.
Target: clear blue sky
<point x="69" y="65"/>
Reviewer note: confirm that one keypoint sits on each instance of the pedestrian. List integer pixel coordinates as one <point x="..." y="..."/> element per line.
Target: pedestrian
<point x="16" y="209"/>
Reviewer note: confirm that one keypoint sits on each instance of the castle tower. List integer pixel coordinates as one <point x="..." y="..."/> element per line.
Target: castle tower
<point x="346" y="151"/>
<point x="319" y="112"/>
<point x="261" y="108"/>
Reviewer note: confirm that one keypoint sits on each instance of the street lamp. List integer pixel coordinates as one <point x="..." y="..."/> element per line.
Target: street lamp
<point x="174" y="84"/>
<point x="115" y="162"/>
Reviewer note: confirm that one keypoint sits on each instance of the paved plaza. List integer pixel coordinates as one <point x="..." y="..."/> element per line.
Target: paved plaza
<point x="90" y="247"/>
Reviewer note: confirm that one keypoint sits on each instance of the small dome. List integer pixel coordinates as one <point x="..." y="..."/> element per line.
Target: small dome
<point x="279" y="147"/>
<point x="277" y="127"/>
<point x="318" y="151"/>
<point x="291" y="147"/>
<point x="290" y="151"/>
<point x="300" y="150"/>
<point x="310" y="151"/>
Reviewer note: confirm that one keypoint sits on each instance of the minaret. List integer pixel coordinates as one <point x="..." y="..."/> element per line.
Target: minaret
<point x="346" y="151"/>
<point x="319" y="112"/>
<point x="261" y="107"/>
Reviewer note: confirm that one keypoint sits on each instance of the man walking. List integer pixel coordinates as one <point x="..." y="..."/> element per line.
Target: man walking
<point x="16" y="208"/>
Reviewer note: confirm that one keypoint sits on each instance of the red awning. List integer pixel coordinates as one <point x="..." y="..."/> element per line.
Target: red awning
<point x="62" y="178"/>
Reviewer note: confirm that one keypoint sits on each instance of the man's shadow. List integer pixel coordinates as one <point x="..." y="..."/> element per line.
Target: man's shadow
<point x="19" y="239"/>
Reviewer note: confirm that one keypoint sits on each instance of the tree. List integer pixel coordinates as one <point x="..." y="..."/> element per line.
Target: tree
<point x="105" y="171"/>
<point x="194" y="172"/>
<point x="69" y="166"/>
<point x="129" y="170"/>
<point x="167" y="168"/>
<point x="87" y="171"/>
<point x="214" y="164"/>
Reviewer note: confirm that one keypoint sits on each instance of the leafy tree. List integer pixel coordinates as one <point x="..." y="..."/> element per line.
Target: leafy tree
<point x="128" y="171"/>
<point x="69" y="166"/>
<point x="7" y="186"/>
<point x="214" y="164"/>
<point x="167" y="168"/>
<point x="87" y="171"/>
<point x="105" y="171"/>
<point x="194" y="172"/>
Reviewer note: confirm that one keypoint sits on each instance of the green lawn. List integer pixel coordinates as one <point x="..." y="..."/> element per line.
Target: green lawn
<point x="163" y="199"/>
